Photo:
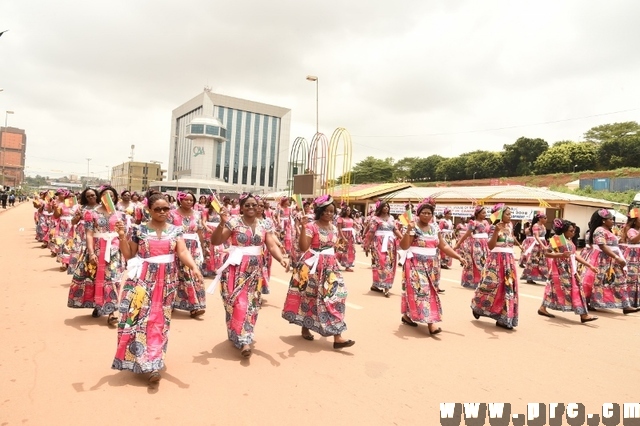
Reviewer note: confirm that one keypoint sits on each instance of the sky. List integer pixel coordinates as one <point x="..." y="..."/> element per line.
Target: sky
<point x="413" y="78"/>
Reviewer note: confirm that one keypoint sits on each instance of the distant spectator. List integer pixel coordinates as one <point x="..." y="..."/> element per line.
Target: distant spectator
<point x="12" y="199"/>
<point x="3" y="199"/>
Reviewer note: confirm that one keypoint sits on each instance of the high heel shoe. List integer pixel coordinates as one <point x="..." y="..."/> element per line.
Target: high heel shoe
<point x="436" y="331"/>
<point x="583" y="320"/>
<point x="508" y="327"/>
<point x="408" y="322"/>
<point x="475" y="315"/>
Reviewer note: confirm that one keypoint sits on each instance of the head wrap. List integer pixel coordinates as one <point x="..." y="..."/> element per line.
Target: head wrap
<point x="323" y="200"/>
<point x="478" y="209"/>
<point x="605" y="214"/>
<point x="541" y="215"/>
<point x="243" y="196"/>
<point x="558" y="223"/>
<point x="426" y="202"/>
<point x="181" y="196"/>
<point x="446" y="211"/>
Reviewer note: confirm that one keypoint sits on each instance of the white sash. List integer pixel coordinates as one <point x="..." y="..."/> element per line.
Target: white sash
<point x="481" y="235"/>
<point x="385" y="241"/>
<point x="502" y="250"/>
<point x="134" y="265"/>
<point x="530" y="248"/>
<point x="108" y="237"/>
<point x="633" y="245"/>
<point x="236" y="253"/>
<point x="423" y="251"/>
<point x="353" y="231"/>
<point x="313" y="261"/>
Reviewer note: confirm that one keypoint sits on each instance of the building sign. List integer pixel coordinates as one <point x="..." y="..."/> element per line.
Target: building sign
<point x="198" y="150"/>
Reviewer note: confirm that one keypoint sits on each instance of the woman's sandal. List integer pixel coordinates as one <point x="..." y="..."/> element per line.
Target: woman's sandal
<point x="629" y="311"/>
<point x="376" y="289"/>
<point x="583" y="320"/>
<point x="386" y="293"/>
<point x="475" y="315"/>
<point x="197" y="313"/>
<point x="545" y="314"/>
<point x="345" y="344"/>
<point x="112" y="319"/>
<point x="246" y="353"/>
<point x="408" y="322"/>
<point x="436" y="331"/>
<point x="154" y="377"/>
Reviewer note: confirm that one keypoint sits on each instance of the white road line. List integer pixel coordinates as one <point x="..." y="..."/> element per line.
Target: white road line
<point x="350" y="305"/>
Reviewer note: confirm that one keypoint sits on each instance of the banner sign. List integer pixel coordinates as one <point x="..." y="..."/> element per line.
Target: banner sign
<point x="517" y="213"/>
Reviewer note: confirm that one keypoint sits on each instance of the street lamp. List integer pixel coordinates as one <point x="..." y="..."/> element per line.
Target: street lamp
<point x="88" y="173"/>
<point x="314" y="78"/>
<point x="6" y="117"/>
<point x="574" y="168"/>
<point x="474" y="174"/>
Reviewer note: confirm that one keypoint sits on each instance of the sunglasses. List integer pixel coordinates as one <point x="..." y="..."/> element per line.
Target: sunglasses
<point x="161" y="209"/>
<point x="251" y="206"/>
<point x="91" y="195"/>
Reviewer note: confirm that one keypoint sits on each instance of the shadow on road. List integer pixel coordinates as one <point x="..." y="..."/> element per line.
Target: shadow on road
<point x="86" y="320"/>
<point x="124" y="378"/>
<point x="298" y="344"/>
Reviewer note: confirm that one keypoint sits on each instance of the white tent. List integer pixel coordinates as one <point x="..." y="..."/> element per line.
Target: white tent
<point x="618" y="217"/>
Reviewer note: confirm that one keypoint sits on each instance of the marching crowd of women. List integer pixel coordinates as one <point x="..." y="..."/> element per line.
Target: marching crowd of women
<point x="166" y="246"/>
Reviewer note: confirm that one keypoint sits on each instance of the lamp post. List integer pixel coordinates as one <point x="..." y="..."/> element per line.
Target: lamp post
<point x="574" y="168"/>
<point x="314" y="78"/>
<point x="88" y="173"/>
<point x="474" y="174"/>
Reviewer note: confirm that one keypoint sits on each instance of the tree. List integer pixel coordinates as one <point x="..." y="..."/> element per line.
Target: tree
<point x="520" y="156"/>
<point x="425" y="168"/>
<point x="484" y="164"/>
<point x="402" y="168"/>
<point x="565" y="157"/>
<point x="611" y="132"/>
<point x="372" y="170"/>
<point x="452" y="169"/>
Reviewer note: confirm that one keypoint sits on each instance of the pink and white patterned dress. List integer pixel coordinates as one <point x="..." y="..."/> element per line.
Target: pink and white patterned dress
<point x="420" y="301"/>
<point x="347" y="257"/>
<point x="563" y="291"/>
<point x="98" y="286"/>
<point x="382" y="242"/>
<point x="475" y="250"/>
<point x="317" y="293"/>
<point x="608" y="287"/>
<point x="241" y="285"/>
<point x="632" y="256"/>
<point x="190" y="293"/>
<point x="536" y="266"/>
<point x="147" y="300"/>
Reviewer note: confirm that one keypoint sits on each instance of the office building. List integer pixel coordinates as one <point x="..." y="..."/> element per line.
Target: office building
<point x="255" y="150"/>
<point x="13" y="147"/>
<point x="135" y="175"/>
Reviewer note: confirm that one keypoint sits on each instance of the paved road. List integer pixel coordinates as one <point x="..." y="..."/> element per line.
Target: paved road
<point x="55" y="361"/>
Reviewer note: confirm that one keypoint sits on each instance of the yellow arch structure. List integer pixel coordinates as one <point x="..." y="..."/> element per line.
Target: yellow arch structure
<point x="340" y="134"/>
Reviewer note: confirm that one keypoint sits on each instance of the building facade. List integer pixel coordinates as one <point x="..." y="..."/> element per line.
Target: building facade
<point x="135" y="175"/>
<point x="13" y="147"/>
<point x="256" y="150"/>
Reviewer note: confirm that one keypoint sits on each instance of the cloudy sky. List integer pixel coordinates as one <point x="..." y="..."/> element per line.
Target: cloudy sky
<point x="407" y="78"/>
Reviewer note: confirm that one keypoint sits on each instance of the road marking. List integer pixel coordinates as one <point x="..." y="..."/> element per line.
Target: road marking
<point x="350" y="305"/>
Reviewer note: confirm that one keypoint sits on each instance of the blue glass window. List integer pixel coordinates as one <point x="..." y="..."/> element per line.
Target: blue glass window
<point x="213" y="130"/>
<point x="197" y="128"/>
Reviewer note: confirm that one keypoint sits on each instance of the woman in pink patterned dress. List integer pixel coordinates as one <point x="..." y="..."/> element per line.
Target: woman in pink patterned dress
<point x="563" y="291"/>
<point x="268" y="259"/>
<point x="66" y="231"/>
<point x="242" y="275"/>
<point x="284" y="219"/>
<point x="497" y="294"/>
<point x="148" y="293"/>
<point x="631" y="235"/>
<point x="96" y="281"/>
<point x="475" y="248"/>
<point x="381" y="239"/>
<point x="317" y="294"/>
<point x="88" y="201"/>
<point x="54" y="229"/>
<point x="536" y="266"/>
<point x="213" y="255"/>
<point x="420" y="301"/>
<point x="447" y="229"/>
<point x="347" y="233"/>
<point x="608" y="287"/>
<point x="190" y="294"/>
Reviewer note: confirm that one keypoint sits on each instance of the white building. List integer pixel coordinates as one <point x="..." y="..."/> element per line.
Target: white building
<point x="255" y="154"/>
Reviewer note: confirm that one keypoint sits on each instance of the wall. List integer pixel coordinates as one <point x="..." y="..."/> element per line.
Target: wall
<point x="580" y="215"/>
